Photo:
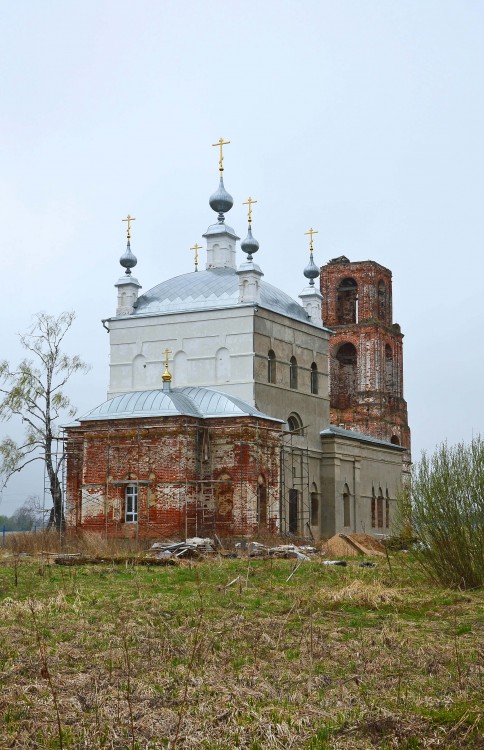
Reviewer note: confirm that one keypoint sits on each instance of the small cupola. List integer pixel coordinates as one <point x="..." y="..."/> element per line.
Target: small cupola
<point x="221" y="238"/>
<point x="249" y="272"/>
<point x="310" y="297"/>
<point x="166" y="377"/>
<point x="128" y="287"/>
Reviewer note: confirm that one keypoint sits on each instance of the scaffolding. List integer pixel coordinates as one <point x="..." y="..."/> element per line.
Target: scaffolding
<point x="231" y="478"/>
<point x="295" y="484"/>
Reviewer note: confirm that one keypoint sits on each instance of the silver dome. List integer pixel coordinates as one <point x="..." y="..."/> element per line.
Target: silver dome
<point x="128" y="260"/>
<point x="249" y="245"/>
<point x="221" y="201"/>
<point x="311" y="271"/>
<point x="215" y="288"/>
<point x="203" y="403"/>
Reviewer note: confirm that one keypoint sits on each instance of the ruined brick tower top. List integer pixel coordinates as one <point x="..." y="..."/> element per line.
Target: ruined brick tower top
<point x="366" y="355"/>
<point x="356" y="292"/>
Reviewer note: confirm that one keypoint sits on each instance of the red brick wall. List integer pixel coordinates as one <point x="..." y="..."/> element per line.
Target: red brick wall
<point x="366" y="396"/>
<point x="193" y="476"/>
<point x="367" y="275"/>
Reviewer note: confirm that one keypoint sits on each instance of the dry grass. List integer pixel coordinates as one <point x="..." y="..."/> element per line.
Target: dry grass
<point x="89" y="544"/>
<point x="141" y="659"/>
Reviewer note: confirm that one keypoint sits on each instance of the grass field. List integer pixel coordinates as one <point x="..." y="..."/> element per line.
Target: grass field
<point x="134" y="657"/>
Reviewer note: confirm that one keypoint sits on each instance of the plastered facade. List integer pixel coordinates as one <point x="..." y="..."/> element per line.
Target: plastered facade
<point x="366" y="478"/>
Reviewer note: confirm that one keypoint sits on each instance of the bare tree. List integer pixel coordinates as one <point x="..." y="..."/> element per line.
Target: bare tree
<point x="34" y="392"/>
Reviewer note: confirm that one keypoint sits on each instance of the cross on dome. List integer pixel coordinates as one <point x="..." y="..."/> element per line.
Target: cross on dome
<point x="249" y="202"/>
<point x="196" y="248"/>
<point x="129" y="219"/>
<point x="221" y="143"/>
<point x="166" y="377"/>
<point x="311" y="232"/>
<point x="128" y="260"/>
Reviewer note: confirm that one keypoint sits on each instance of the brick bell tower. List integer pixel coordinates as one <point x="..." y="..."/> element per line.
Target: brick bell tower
<point x="366" y="351"/>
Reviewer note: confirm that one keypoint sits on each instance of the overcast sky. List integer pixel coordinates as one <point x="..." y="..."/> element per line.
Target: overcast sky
<point x="362" y="118"/>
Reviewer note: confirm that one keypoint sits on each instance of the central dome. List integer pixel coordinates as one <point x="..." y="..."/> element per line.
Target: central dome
<point x="206" y="290"/>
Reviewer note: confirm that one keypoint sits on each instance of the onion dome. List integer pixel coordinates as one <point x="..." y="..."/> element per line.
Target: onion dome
<point x="128" y="260"/>
<point x="311" y="271"/>
<point x="249" y="245"/>
<point x="221" y="201"/>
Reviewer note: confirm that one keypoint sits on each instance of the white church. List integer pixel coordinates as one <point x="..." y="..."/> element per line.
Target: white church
<point x="225" y="353"/>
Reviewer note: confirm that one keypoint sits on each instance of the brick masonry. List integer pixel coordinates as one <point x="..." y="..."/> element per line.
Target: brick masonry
<point x="366" y="351"/>
<point x="193" y="477"/>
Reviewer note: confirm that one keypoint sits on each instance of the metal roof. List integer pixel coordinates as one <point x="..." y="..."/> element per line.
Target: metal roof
<point x="334" y="431"/>
<point x="203" y="403"/>
<point x="217" y="287"/>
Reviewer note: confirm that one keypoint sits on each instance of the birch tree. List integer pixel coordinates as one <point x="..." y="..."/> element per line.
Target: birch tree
<point x="34" y="392"/>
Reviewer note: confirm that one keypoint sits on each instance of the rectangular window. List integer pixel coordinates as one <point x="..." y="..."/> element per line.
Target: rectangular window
<point x="387" y="513"/>
<point x="131" y="498"/>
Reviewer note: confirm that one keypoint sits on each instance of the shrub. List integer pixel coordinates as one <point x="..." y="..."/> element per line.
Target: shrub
<point x="443" y="505"/>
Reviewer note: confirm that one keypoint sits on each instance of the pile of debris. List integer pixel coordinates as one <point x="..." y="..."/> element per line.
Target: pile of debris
<point x="193" y="547"/>
<point x="256" y="549"/>
<point x="197" y="547"/>
<point x="351" y="545"/>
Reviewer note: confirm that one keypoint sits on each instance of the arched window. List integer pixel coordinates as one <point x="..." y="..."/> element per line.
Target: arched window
<point x="261" y="501"/>
<point x="389" y="368"/>
<point x="347" y="302"/>
<point x="314" y="378"/>
<point x="222" y="365"/>
<point x="131" y="503"/>
<point x="394" y="440"/>
<point x="346" y="506"/>
<point x="314" y="506"/>
<point x="373" y="508"/>
<point x="379" y="506"/>
<point x="294" y="423"/>
<point x="382" y="301"/>
<point x="293" y="373"/>
<point x="180" y="368"/>
<point x="139" y="372"/>
<point x="271" y="367"/>
<point x="387" y="510"/>
<point x="344" y="376"/>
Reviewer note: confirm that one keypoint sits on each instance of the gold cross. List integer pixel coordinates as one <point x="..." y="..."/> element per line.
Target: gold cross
<point x="221" y="143"/>
<point x="196" y="247"/>
<point x="311" y="232"/>
<point x="249" y="203"/>
<point x="129" y="219"/>
<point x="167" y="352"/>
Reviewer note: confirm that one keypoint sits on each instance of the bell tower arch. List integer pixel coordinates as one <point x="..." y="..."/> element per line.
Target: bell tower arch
<point x="366" y="351"/>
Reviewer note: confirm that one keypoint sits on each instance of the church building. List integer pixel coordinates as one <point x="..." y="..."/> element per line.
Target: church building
<point x="225" y="414"/>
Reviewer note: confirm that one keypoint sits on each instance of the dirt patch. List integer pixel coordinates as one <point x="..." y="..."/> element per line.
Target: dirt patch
<point x="352" y="545"/>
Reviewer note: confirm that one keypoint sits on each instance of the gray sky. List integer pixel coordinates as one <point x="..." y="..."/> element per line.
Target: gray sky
<point x="362" y="118"/>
